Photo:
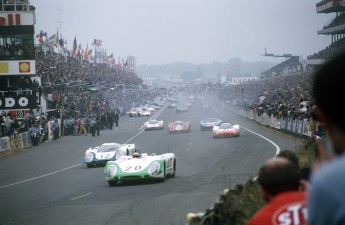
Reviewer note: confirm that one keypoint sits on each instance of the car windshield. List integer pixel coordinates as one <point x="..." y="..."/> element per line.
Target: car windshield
<point x="153" y="121"/>
<point x="225" y="126"/>
<point x="178" y="122"/>
<point x="109" y="148"/>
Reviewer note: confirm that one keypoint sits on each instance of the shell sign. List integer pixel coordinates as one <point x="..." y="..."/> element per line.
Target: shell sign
<point x="24" y="67"/>
<point x="4" y="67"/>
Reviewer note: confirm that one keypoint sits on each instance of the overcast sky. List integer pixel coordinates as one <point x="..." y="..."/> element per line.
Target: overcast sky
<point x="195" y="31"/>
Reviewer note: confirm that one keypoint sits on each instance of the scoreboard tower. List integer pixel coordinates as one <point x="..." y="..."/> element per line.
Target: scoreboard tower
<point x="18" y="93"/>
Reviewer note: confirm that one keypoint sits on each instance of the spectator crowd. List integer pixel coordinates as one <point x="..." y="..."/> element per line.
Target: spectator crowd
<point x="77" y="90"/>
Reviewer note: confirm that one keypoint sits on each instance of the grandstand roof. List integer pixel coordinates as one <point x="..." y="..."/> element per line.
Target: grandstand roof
<point x="329" y="6"/>
<point x="333" y="30"/>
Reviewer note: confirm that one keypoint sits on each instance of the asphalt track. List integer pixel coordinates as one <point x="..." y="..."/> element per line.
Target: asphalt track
<point x="48" y="184"/>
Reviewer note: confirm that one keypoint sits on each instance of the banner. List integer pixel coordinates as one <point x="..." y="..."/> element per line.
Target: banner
<point x="239" y="80"/>
<point x="18" y="102"/>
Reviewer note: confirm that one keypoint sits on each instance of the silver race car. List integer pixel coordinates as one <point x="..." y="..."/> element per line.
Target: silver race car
<point x="209" y="123"/>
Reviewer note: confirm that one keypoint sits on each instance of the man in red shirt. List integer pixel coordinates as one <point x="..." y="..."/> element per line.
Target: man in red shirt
<point x="279" y="180"/>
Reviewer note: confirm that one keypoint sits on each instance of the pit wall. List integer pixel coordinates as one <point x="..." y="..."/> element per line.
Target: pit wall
<point x="23" y="140"/>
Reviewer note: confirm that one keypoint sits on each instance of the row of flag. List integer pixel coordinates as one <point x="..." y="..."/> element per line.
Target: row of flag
<point x="100" y="55"/>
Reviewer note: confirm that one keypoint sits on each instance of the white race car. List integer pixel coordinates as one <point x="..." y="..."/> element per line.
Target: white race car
<point x="226" y="130"/>
<point x="137" y="112"/>
<point x="144" y="112"/>
<point x="154" y="125"/>
<point x="142" y="167"/>
<point x="100" y="155"/>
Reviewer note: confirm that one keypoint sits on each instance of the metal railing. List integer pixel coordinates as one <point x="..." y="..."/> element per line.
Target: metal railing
<point x="17" y="92"/>
<point x="15" y="5"/>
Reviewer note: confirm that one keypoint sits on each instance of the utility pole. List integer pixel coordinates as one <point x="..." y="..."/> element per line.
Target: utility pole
<point x="59" y="22"/>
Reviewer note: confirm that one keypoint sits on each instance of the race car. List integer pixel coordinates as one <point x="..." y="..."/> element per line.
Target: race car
<point x="141" y="167"/>
<point x="180" y="126"/>
<point x="154" y="125"/>
<point x="144" y="112"/>
<point x="137" y="112"/>
<point x="181" y="108"/>
<point x="209" y="123"/>
<point x="172" y="105"/>
<point x="226" y="130"/>
<point x="100" y="155"/>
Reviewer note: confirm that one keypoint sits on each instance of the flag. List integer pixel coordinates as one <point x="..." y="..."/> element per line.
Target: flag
<point x="61" y="42"/>
<point x="40" y="36"/>
<point x="54" y="39"/>
<point x="80" y="50"/>
<point x="51" y="39"/>
<point x="74" y="48"/>
<point x="86" y="53"/>
<point x="96" y="42"/>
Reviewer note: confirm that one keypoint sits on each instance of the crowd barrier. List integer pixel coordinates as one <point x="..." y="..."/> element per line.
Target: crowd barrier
<point x="16" y="141"/>
<point x="299" y="126"/>
<point x="23" y="140"/>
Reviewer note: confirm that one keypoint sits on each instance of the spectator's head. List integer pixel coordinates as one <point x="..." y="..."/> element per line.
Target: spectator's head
<point x="290" y="155"/>
<point x="328" y="93"/>
<point x="278" y="175"/>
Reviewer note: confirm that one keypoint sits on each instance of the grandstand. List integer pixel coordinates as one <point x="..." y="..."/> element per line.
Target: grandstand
<point x="290" y="66"/>
<point x="335" y="28"/>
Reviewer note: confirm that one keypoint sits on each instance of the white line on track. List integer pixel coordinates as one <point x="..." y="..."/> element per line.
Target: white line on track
<point x="263" y="137"/>
<point x="35" y="178"/>
<point x="70" y="167"/>
<point x="72" y="199"/>
<point x="134" y="136"/>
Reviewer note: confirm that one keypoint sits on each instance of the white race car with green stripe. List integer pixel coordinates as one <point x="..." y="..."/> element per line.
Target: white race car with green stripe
<point x="145" y="167"/>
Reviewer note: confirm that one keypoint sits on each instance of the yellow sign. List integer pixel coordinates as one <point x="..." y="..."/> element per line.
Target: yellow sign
<point x="4" y="67"/>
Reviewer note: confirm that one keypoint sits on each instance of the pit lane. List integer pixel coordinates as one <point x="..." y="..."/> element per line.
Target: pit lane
<point x="48" y="185"/>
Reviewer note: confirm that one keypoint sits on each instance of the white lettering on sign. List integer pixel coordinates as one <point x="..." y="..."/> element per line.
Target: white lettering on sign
<point x="295" y="214"/>
<point x="238" y="80"/>
<point x="23" y="101"/>
<point x="11" y="102"/>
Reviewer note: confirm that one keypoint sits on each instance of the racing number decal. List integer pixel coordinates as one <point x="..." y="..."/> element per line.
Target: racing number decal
<point x="131" y="168"/>
<point x="105" y="156"/>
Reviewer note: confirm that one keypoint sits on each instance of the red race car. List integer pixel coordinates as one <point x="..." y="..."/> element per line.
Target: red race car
<point x="180" y="127"/>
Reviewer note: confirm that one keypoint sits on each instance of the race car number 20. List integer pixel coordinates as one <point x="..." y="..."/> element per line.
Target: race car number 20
<point x="132" y="168"/>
